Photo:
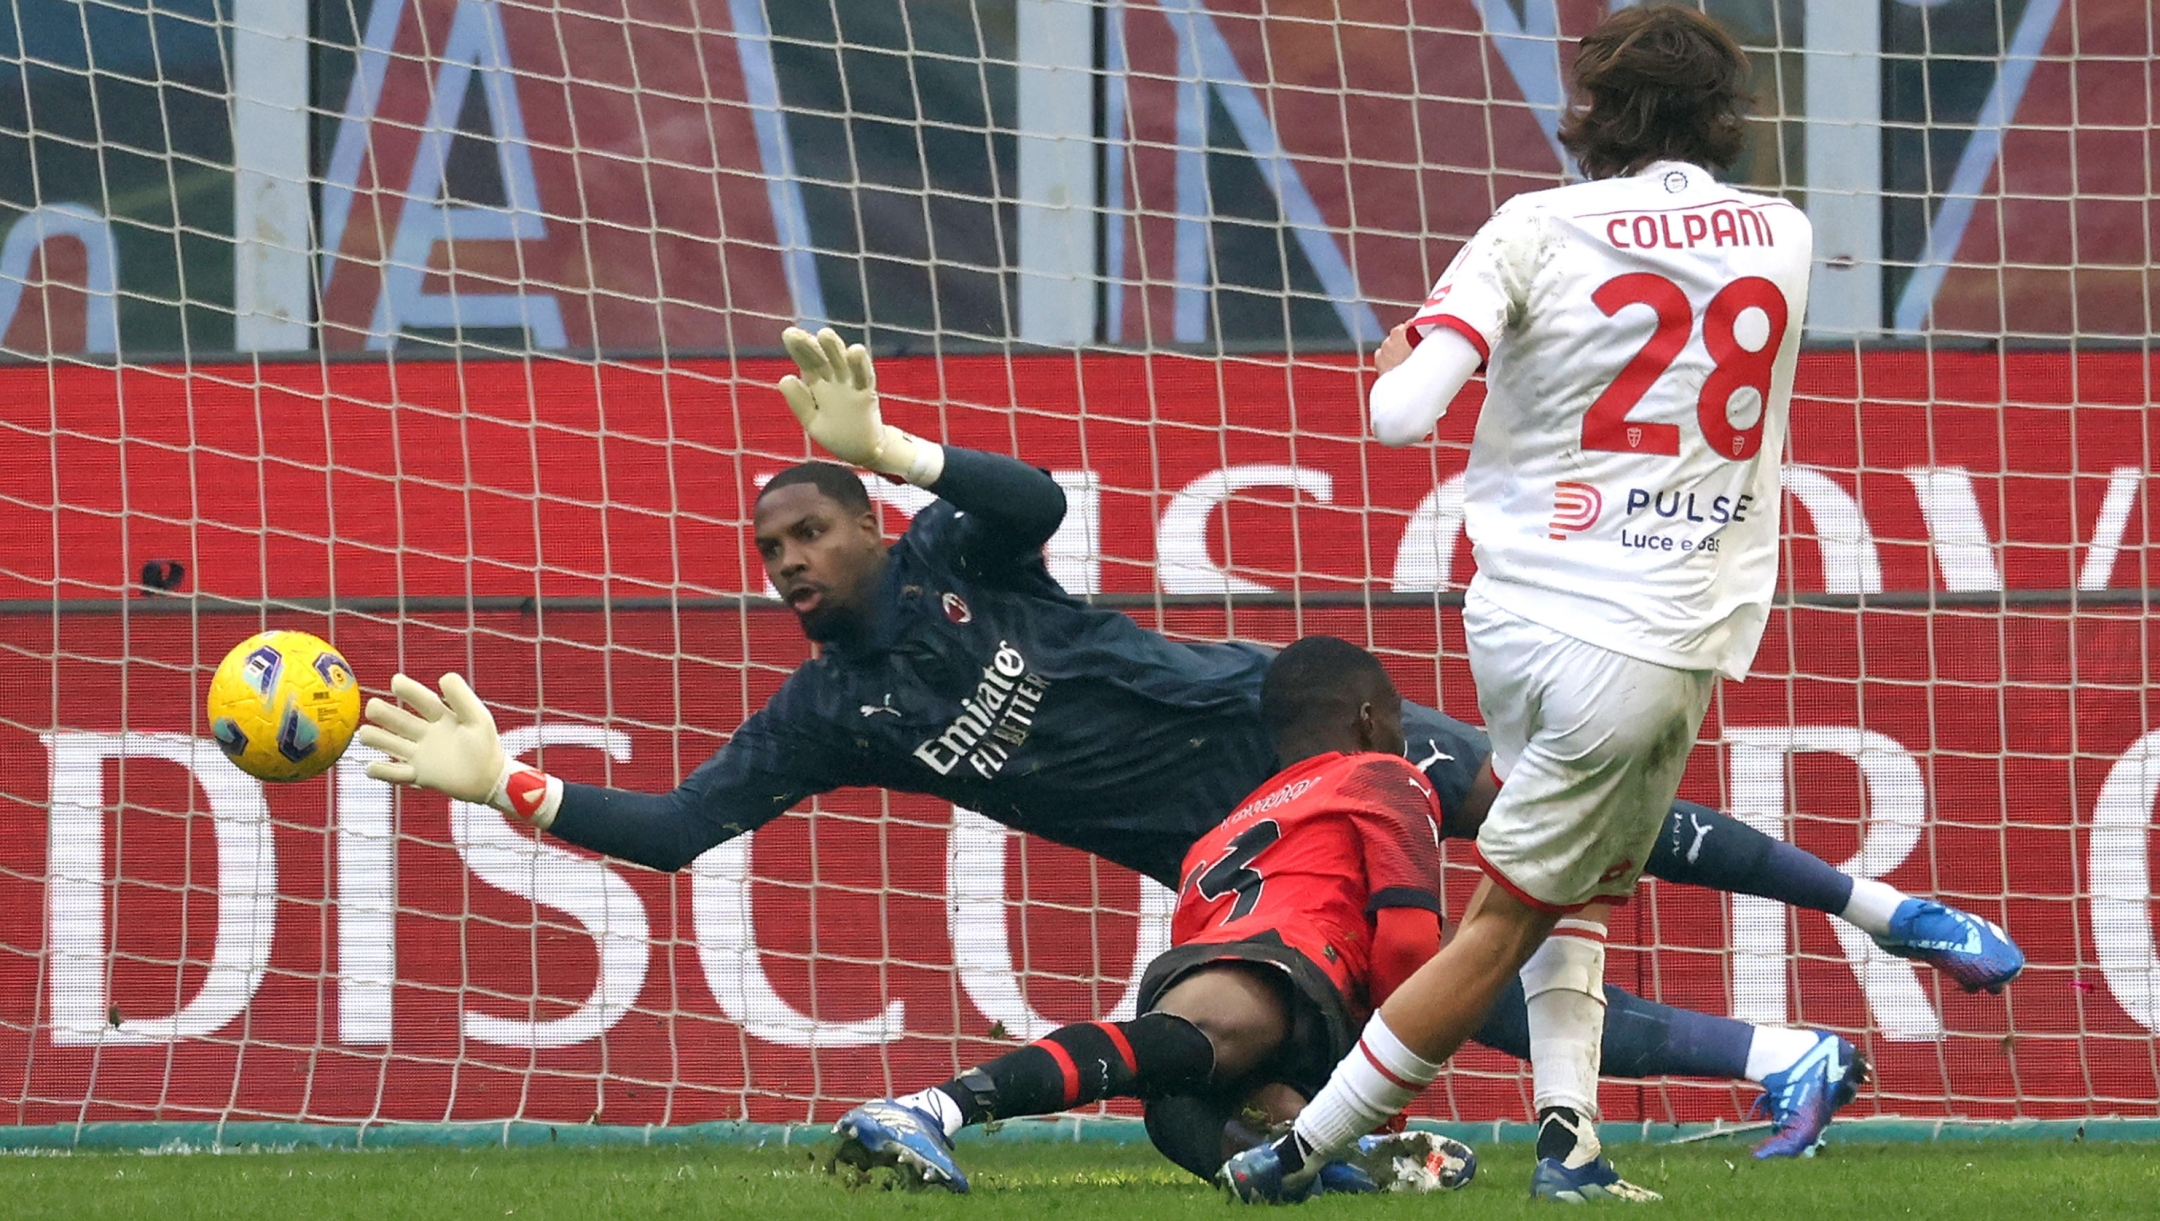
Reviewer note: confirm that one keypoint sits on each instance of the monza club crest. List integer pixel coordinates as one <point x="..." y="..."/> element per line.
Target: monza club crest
<point x="956" y="608"/>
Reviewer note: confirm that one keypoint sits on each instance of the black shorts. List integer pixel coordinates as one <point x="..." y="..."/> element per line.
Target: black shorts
<point x="1451" y="754"/>
<point x="1321" y="1030"/>
<point x="1189" y="1129"/>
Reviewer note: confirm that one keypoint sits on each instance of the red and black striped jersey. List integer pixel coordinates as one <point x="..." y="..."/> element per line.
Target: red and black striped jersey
<point x="1311" y="855"/>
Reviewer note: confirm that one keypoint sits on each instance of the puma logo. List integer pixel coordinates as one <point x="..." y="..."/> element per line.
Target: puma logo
<point x="1436" y="756"/>
<point x="1701" y="829"/>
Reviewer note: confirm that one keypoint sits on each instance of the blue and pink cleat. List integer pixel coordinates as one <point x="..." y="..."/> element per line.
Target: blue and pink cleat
<point x="1803" y="1098"/>
<point x="1975" y="953"/>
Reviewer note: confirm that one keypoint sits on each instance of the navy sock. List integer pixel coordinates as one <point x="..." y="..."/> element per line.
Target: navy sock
<point x="1703" y="847"/>
<point x="1642" y="1037"/>
<point x="1646" y="1039"/>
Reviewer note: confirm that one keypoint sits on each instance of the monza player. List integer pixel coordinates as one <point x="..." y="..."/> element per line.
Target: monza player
<point x="952" y="664"/>
<point x="1640" y="331"/>
<point x="1300" y="912"/>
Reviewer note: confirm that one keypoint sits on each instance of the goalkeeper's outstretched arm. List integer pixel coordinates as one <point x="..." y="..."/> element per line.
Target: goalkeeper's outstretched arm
<point x="449" y="744"/>
<point x="764" y="771"/>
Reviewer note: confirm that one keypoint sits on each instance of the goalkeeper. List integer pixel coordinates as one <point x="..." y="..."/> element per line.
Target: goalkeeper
<point x="952" y="664"/>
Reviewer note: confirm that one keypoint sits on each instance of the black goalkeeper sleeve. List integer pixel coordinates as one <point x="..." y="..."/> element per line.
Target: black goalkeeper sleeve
<point x="1010" y="508"/>
<point x="783" y="754"/>
<point x="652" y="829"/>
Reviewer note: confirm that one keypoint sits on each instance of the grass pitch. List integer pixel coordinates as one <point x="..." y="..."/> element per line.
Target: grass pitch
<point x="1040" y="1182"/>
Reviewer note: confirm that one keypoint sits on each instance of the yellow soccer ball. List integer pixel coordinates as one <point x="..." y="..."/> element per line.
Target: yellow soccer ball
<point x="283" y="705"/>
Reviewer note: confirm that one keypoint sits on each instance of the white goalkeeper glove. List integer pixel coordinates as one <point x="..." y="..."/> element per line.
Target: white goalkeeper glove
<point x="451" y="747"/>
<point x="836" y="401"/>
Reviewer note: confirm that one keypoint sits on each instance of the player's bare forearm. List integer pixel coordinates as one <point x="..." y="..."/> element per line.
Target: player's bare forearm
<point x="1440" y="1006"/>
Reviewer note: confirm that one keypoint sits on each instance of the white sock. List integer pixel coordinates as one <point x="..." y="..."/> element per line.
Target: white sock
<point x="1564" y="984"/>
<point x="1378" y="1078"/>
<point x="1872" y="904"/>
<point x="1775" y="1049"/>
<point x="938" y="1105"/>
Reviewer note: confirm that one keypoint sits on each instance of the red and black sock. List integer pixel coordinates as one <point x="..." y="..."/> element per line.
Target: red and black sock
<point x="1156" y="1053"/>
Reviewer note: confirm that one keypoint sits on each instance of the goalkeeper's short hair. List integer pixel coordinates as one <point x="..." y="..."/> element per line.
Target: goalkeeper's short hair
<point x="1321" y="680"/>
<point x="834" y="480"/>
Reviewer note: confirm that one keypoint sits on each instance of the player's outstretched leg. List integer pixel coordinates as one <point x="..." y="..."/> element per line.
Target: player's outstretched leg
<point x="1704" y="847"/>
<point x="1804" y="1086"/>
<point x="1801" y="1098"/>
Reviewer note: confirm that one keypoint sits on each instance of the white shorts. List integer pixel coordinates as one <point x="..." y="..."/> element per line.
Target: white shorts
<point x="1589" y="746"/>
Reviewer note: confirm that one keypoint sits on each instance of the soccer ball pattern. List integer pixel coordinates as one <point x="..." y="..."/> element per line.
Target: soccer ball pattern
<point x="283" y="705"/>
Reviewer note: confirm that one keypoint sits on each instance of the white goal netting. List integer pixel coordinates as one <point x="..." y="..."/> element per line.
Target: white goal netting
<point x="445" y="329"/>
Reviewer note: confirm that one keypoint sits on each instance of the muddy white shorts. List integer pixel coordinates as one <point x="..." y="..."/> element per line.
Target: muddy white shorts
<point x="1589" y="746"/>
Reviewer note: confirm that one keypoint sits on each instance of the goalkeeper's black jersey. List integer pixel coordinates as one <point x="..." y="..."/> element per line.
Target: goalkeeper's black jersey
<point x="986" y="684"/>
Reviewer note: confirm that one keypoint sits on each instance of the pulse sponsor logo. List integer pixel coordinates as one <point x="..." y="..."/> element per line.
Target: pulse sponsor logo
<point x="1684" y="506"/>
<point x="1678" y="506"/>
<point x="1575" y="507"/>
<point x="993" y="722"/>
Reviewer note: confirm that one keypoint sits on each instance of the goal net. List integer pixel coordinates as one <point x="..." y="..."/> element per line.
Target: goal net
<point x="446" y="329"/>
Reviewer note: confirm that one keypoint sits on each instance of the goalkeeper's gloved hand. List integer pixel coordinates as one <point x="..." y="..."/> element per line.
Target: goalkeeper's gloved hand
<point x="451" y="747"/>
<point x="836" y="400"/>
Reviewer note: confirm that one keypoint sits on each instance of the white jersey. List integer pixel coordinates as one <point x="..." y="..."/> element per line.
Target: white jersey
<point x="1641" y="335"/>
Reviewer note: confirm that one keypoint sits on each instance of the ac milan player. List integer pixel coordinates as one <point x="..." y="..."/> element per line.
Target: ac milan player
<point x="1641" y="331"/>
<point x="1300" y="912"/>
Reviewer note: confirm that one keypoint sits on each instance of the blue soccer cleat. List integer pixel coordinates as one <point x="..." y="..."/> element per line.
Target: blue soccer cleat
<point x="1256" y="1177"/>
<point x="885" y="1133"/>
<point x="1585" y="1184"/>
<point x="1801" y="1099"/>
<point x="1975" y="953"/>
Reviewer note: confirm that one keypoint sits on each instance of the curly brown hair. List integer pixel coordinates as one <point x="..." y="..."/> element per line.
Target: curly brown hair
<point x="1660" y="82"/>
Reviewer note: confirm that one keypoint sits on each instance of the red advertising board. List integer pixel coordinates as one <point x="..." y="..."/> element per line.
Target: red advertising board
<point x="177" y="941"/>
